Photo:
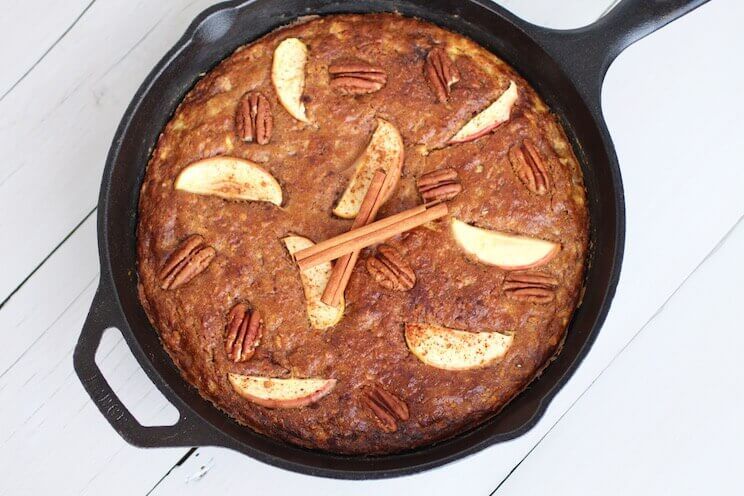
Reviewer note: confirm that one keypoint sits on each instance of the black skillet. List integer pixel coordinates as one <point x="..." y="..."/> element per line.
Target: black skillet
<point x="566" y="68"/>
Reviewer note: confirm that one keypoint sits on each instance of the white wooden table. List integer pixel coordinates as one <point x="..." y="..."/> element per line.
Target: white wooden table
<point x="655" y="408"/>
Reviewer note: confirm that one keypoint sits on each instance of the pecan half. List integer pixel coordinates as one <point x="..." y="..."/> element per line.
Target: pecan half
<point x="253" y="120"/>
<point x="387" y="408"/>
<point x="189" y="260"/>
<point x="356" y="78"/>
<point x="441" y="185"/>
<point x="529" y="167"/>
<point x="242" y="333"/>
<point x="441" y="73"/>
<point x="534" y="287"/>
<point x="390" y="270"/>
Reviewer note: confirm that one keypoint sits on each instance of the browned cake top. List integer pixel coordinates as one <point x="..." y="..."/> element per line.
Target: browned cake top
<point x="207" y="263"/>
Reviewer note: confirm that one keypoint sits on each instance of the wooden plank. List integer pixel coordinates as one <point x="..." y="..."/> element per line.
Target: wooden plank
<point x="57" y="124"/>
<point x="52" y="437"/>
<point x="666" y="417"/>
<point x="26" y="37"/>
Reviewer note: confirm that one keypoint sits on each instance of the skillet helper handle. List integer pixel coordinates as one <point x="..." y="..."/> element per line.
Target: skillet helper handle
<point x="587" y="52"/>
<point x="104" y="313"/>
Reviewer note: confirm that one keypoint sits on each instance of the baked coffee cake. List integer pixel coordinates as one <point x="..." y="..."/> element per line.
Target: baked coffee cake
<point x="361" y="234"/>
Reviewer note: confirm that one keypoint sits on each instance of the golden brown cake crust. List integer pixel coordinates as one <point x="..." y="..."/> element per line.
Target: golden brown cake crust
<point x="313" y="164"/>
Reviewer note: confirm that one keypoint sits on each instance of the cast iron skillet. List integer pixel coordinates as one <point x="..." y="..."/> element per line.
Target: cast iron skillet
<point x="565" y="67"/>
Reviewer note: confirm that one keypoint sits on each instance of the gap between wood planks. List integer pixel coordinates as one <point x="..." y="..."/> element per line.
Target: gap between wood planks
<point x="175" y="466"/>
<point x="46" y="52"/>
<point x="49" y="255"/>
<point x="653" y="317"/>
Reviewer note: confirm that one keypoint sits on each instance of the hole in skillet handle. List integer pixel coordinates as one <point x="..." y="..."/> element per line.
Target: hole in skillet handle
<point x="130" y="384"/>
<point x="105" y="314"/>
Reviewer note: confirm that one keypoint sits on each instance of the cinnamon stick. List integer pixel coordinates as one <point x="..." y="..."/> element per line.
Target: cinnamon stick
<point x="343" y="267"/>
<point x="356" y="233"/>
<point x="368" y="235"/>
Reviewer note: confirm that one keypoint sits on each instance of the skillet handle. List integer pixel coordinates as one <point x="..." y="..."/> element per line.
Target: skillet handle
<point x="104" y="313"/>
<point x="631" y="20"/>
<point x="587" y="52"/>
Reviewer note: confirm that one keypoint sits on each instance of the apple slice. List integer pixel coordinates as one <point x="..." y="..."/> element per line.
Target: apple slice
<point x="507" y="251"/>
<point x="280" y="393"/>
<point x="230" y="178"/>
<point x="450" y="349"/>
<point x="314" y="281"/>
<point x="288" y="76"/>
<point x="490" y="118"/>
<point x="384" y="151"/>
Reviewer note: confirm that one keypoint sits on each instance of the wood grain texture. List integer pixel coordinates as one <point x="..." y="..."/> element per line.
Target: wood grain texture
<point x="665" y="418"/>
<point x="52" y="437"/>
<point x="26" y="38"/>
<point x="56" y="125"/>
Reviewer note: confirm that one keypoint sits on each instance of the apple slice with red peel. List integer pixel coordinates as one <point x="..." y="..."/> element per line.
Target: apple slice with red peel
<point x="314" y="281"/>
<point x="280" y="393"/>
<point x="451" y="349"/>
<point x="230" y="178"/>
<point x="384" y="152"/>
<point x="507" y="251"/>
<point x="288" y="76"/>
<point x="490" y="118"/>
